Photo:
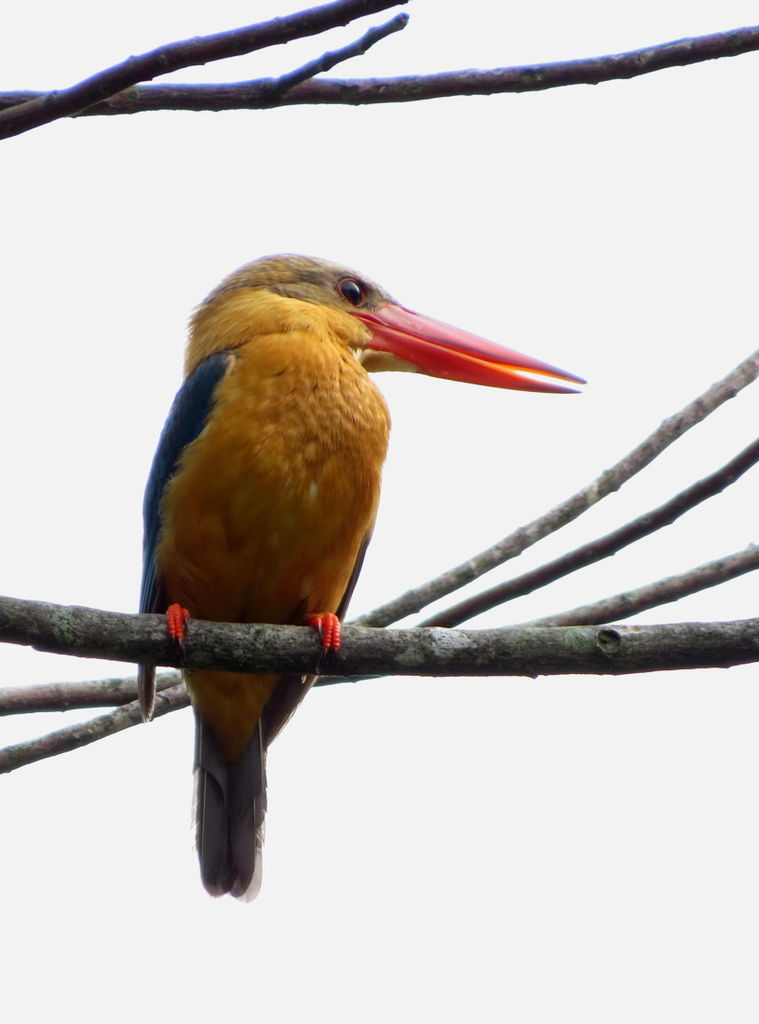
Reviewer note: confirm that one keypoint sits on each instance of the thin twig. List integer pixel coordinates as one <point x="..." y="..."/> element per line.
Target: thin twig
<point x="410" y="88"/>
<point x="279" y="86"/>
<point x="515" y="651"/>
<point x="652" y="595"/>
<point x="49" y="106"/>
<point x="602" y="547"/>
<point x="608" y="482"/>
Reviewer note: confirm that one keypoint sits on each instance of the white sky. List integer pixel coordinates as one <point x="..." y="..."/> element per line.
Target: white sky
<point x="479" y="850"/>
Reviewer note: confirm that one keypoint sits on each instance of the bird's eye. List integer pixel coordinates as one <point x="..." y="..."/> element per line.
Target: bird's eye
<point x="351" y="290"/>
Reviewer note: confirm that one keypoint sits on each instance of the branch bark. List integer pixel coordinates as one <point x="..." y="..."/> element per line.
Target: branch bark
<point x="73" y="737"/>
<point x="100" y="693"/>
<point x="100" y="96"/>
<point x="41" y="108"/>
<point x="525" y="650"/>
<point x="277" y="87"/>
<point x="652" y="595"/>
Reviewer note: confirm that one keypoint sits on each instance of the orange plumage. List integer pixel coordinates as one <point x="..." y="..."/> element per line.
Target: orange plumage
<point x="274" y="500"/>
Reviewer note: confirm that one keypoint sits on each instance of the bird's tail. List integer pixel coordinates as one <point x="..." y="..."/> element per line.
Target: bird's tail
<point x="230" y="805"/>
<point x="146" y="690"/>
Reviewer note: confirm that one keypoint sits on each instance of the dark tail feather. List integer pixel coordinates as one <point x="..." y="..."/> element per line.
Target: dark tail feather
<point x="146" y="690"/>
<point x="230" y="804"/>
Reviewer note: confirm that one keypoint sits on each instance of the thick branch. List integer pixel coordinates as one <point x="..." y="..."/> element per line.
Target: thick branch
<point x="608" y="482"/>
<point x="49" y="106"/>
<point x="516" y="651"/>
<point x="602" y="547"/>
<point x="260" y="648"/>
<point x="257" y="95"/>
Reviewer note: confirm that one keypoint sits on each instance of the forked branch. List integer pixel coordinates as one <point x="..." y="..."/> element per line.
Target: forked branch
<point x="41" y="108"/>
<point x="116" y="90"/>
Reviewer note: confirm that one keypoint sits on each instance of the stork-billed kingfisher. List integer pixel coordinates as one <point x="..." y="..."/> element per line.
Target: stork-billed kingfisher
<point x="263" y="493"/>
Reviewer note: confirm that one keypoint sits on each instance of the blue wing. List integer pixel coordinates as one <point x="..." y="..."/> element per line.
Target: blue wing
<point x="185" y="421"/>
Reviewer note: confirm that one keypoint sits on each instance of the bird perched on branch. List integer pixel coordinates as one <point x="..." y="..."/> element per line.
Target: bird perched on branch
<point x="263" y="493"/>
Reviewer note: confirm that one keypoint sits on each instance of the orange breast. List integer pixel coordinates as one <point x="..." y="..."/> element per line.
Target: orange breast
<point x="266" y="515"/>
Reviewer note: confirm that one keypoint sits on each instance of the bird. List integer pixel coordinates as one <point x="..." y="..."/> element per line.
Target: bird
<point x="263" y="493"/>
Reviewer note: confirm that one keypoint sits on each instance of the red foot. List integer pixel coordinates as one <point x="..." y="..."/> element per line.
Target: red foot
<point x="329" y="627"/>
<point x="177" y="618"/>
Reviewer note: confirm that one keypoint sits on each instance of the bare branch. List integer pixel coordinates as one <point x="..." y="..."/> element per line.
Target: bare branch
<point x="622" y="606"/>
<point x="239" y="647"/>
<point x="279" y="86"/>
<point x="74" y="736"/>
<point x="49" y="106"/>
<point x="602" y="547"/>
<point x="91" y="633"/>
<point x="515" y="651"/>
<point x="257" y="95"/>
<point x="608" y="482"/>
<point x="100" y="693"/>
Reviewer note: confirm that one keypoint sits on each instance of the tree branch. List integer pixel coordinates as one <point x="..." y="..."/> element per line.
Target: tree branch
<point x="608" y="482"/>
<point x="257" y="95"/>
<point x="42" y="108"/>
<point x="234" y="647"/>
<point x="277" y="87"/>
<point x="81" y="735"/>
<point x="663" y="591"/>
<point x="515" y="651"/>
<point x="602" y="547"/>
<point x="100" y="693"/>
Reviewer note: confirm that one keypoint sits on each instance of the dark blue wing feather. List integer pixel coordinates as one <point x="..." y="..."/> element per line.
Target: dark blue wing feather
<point x="185" y="421"/>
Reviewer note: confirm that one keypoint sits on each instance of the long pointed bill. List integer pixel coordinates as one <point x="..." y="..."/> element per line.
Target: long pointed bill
<point x="440" y="350"/>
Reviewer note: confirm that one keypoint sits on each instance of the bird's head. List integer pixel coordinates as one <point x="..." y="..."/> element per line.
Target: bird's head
<point x="384" y="334"/>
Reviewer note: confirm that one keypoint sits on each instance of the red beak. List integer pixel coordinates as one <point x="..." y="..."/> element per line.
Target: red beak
<point x="440" y="350"/>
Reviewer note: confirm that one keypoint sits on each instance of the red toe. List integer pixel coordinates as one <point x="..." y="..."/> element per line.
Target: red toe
<point x="177" y="618"/>
<point x="329" y="627"/>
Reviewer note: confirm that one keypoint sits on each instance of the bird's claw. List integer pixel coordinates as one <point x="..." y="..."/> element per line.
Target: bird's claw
<point x="329" y="628"/>
<point x="177" y="618"/>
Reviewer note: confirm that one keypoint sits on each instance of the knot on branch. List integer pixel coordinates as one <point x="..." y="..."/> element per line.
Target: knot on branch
<point x="609" y="641"/>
